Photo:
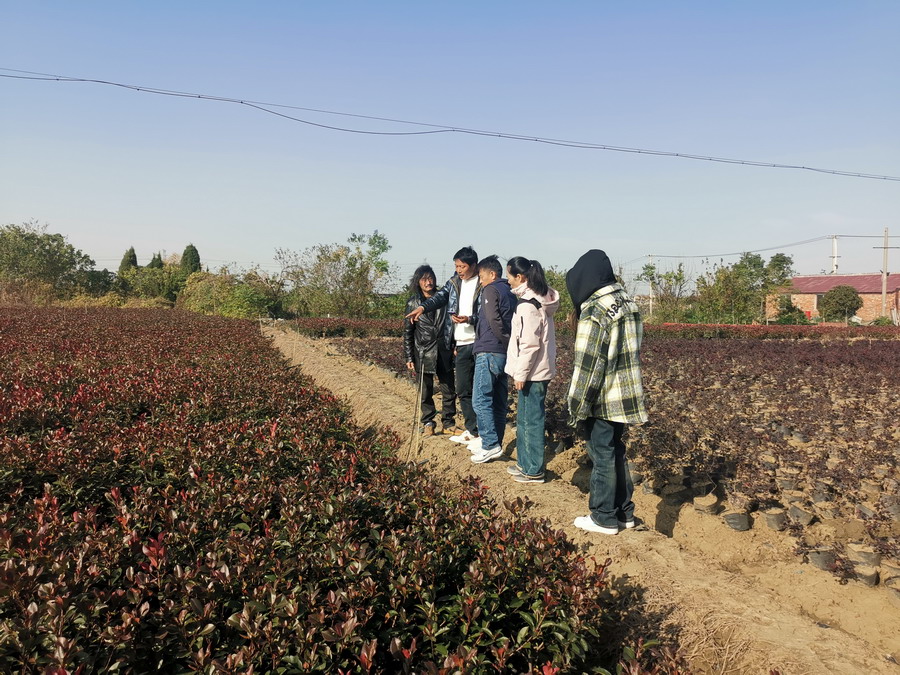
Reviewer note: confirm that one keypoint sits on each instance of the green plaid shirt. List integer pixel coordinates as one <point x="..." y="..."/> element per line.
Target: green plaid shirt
<point x="606" y="380"/>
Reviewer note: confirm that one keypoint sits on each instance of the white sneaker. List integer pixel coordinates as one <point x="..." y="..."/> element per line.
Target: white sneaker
<point x="464" y="437"/>
<point x="587" y="523"/>
<point x="626" y="525"/>
<point x="475" y="445"/>
<point x="487" y="455"/>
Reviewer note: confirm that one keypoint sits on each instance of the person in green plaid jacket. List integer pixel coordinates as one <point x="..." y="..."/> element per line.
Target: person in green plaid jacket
<point x="606" y="391"/>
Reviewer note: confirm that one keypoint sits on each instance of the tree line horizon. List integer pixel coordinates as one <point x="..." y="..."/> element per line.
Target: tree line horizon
<point x="347" y="279"/>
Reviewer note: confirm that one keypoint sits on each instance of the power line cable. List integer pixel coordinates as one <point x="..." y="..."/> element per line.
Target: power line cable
<point x="759" y="250"/>
<point x="435" y="128"/>
<point x="862" y="236"/>
<point x="205" y="97"/>
<point x="635" y="260"/>
<point x="773" y="248"/>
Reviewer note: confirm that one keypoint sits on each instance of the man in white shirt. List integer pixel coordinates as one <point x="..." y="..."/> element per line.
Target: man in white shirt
<point x="460" y="294"/>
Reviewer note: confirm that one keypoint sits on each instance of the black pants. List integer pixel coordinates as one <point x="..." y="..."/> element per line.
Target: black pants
<point x="448" y="394"/>
<point x="465" y="376"/>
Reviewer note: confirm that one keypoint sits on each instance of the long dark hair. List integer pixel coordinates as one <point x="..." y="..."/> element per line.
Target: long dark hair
<point x="421" y="271"/>
<point x="534" y="273"/>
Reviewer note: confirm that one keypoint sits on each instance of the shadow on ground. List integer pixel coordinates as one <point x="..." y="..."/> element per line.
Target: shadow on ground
<point x="630" y="617"/>
<point x="673" y="497"/>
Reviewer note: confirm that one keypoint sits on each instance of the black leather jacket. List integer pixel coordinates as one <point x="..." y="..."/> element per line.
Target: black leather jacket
<point x="431" y="337"/>
<point x="448" y="296"/>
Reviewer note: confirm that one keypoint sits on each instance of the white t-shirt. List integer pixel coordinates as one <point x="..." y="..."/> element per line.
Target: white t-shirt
<point x="465" y="332"/>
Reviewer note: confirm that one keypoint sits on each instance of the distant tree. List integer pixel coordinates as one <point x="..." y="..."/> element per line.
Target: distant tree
<point x="190" y="259"/>
<point x="736" y="293"/>
<point x="670" y="291"/>
<point x="779" y="270"/>
<point x="725" y="295"/>
<point x="336" y="279"/>
<point x="227" y="294"/>
<point x="390" y="306"/>
<point x="268" y="289"/>
<point x="789" y="313"/>
<point x="556" y="278"/>
<point x="129" y="261"/>
<point x="154" y="282"/>
<point x="156" y="262"/>
<point x="29" y="255"/>
<point x="97" y="282"/>
<point x="840" y="303"/>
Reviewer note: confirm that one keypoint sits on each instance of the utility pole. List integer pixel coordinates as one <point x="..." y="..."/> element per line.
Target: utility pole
<point x="884" y="272"/>
<point x="834" y="255"/>
<point x="651" y="286"/>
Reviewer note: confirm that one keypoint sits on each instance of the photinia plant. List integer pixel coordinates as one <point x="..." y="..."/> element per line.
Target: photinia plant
<point x="177" y="498"/>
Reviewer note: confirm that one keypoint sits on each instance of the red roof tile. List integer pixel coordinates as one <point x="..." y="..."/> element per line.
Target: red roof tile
<point x="863" y="283"/>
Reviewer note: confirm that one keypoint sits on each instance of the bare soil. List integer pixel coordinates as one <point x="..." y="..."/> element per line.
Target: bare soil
<point x="737" y="602"/>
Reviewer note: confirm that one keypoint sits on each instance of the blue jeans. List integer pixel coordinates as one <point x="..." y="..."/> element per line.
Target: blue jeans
<point x="489" y="398"/>
<point x="611" y="486"/>
<point x="530" y="428"/>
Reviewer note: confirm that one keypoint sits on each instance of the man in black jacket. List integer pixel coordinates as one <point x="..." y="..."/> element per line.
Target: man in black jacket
<point x="428" y="344"/>
<point x="460" y="295"/>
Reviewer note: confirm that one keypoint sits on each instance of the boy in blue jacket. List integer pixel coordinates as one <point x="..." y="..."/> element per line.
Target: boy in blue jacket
<point x="496" y="307"/>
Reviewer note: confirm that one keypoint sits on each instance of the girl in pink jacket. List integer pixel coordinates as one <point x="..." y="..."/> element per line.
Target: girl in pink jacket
<point x="531" y="362"/>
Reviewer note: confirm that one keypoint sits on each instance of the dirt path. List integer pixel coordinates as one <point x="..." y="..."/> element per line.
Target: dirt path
<point x="740" y="602"/>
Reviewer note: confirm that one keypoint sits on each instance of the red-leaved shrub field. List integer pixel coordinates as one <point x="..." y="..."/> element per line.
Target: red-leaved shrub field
<point x="177" y="499"/>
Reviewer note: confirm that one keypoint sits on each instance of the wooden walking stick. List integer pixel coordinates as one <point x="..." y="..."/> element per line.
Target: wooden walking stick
<point x="414" y="437"/>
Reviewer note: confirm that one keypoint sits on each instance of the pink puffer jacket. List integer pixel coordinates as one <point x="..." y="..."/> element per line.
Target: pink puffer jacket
<point x="531" y="356"/>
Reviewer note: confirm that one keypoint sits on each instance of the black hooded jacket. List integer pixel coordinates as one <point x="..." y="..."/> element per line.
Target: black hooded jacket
<point x="592" y="271"/>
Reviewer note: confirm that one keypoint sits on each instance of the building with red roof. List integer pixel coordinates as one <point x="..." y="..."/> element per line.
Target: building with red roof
<point x="807" y="291"/>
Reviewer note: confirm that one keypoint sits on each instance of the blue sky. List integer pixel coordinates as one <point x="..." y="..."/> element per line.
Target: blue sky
<point x="807" y="83"/>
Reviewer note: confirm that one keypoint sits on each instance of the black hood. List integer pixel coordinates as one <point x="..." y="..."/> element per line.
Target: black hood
<point x="592" y="271"/>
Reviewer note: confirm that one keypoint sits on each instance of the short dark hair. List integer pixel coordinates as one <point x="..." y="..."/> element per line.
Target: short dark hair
<point x="491" y="264"/>
<point x="421" y="271"/>
<point x="467" y="255"/>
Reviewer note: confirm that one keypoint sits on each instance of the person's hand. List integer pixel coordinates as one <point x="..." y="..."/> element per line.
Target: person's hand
<point x="519" y="385"/>
<point x="415" y="314"/>
<point x="410" y="365"/>
<point x="459" y="319"/>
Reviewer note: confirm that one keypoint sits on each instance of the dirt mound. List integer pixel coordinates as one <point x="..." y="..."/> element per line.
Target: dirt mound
<point x="738" y="602"/>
